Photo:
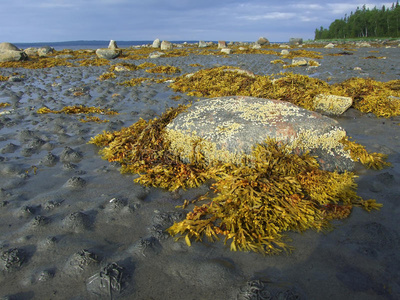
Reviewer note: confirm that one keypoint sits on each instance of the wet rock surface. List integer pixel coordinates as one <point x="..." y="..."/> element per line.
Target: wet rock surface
<point x="72" y="226"/>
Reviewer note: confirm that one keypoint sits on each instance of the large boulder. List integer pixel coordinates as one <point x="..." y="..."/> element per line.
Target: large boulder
<point x="12" y="55"/>
<point x="9" y="46"/>
<point x="227" y="128"/>
<point x="107" y="53"/>
<point x="112" y="45"/>
<point x="45" y="50"/>
<point x="202" y="44"/>
<point x="262" y="41"/>
<point x="156" y="43"/>
<point x="165" y="45"/>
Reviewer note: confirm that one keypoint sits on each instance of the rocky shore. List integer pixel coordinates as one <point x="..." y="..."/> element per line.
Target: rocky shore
<point x="73" y="227"/>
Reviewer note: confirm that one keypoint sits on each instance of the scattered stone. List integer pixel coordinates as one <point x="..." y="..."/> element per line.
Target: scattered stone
<point x="295" y="41"/>
<point x="256" y="46"/>
<point x="226" y="50"/>
<point x="285" y="52"/>
<point x="299" y="61"/>
<point x="156" y="54"/>
<point x="329" y="46"/>
<point x="202" y="44"/>
<point x="165" y="45"/>
<point x="31" y="51"/>
<point x="284" y="46"/>
<point x="108" y="53"/>
<point x="332" y="104"/>
<point x="112" y="45"/>
<point x="156" y="43"/>
<point x="12" y="55"/>
<point x="221" y="45"/>
<point x="44" y="51"/>
<point x="229" y="128"/>
<point x="262" y="41"/>
<point x="364" y="44"/>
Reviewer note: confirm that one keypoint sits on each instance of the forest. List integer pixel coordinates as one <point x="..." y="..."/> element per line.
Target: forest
<point x="364" y="23"/>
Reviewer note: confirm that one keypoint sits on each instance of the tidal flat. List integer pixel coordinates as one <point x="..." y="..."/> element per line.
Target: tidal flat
<point x="73" y="227"/>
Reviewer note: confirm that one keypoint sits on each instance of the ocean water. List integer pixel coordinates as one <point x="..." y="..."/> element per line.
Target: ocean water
<point x="76" y="45"/>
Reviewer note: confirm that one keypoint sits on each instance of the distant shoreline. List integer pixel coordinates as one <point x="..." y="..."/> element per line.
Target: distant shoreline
<point x="94" y="44"/>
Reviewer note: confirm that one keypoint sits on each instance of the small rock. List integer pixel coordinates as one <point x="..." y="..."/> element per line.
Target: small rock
<point x="226" y="50"/>
<point x="299" y="61"/>
<point x="330" y="46"/>
<point x="156" y="54"/>
<point x="256" y="46"/>
<point x="108" y="53"/>
<point x="285" y="52"/>
<point x="332" y="104"/>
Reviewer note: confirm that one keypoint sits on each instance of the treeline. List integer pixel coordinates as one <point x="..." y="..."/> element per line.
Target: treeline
<point x="364" y="22"/>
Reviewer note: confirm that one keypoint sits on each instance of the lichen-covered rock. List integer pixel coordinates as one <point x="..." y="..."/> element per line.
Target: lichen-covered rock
<point x="262" y="41"/>
<point x="202" y="44"/>
<point x="226" y="50"/>
<point x="165" y="45"/>
<point x="43" y="51"/>
<point x="332" y="104"/>
<point x="107" y="53"/>
<point x="226" y="129"/>
<point x="8" y="46"/>
<point x="156" y="43"/>
<point x="12" y="55"/>
<point x="112" y="45"/>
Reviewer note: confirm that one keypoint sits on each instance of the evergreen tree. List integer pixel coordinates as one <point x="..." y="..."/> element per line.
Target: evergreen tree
<point x="384" y="22"/>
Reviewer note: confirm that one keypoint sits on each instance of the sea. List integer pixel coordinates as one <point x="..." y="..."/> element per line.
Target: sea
<point x="95" y="44"/>
<point x="77" y="45"/>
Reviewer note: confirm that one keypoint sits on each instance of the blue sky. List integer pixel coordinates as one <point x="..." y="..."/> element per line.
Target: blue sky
<point x="128" y="20"/>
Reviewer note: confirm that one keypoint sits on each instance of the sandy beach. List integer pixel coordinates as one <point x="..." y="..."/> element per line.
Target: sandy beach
<point x="73" y="227"/>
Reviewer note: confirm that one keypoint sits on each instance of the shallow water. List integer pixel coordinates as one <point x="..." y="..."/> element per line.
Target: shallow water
<point x="66" y="215"/>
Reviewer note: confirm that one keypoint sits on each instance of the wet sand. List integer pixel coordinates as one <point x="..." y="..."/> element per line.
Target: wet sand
<point x="72" y="226"/>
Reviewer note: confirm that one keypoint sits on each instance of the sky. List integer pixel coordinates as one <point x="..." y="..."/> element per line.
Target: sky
<point x="173" y="20"/>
